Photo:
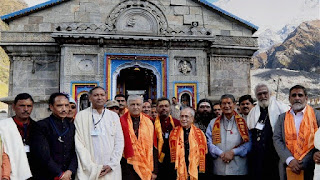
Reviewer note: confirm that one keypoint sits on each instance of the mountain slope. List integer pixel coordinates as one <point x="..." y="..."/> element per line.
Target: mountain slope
<point x="299" y="51"/>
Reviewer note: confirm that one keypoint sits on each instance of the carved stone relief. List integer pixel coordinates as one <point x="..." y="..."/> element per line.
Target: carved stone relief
<point x="230" y="59"/>
<point x="185" y="65"/>
<point x="83" y="64"/>
<point x="236" y="40"/>
<point x="127" y="14"/>
<point x="137" y="21"/>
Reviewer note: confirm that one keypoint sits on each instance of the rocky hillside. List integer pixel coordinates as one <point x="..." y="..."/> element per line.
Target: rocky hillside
<point x="299" y="51"/>
<point x="7" y="6"/>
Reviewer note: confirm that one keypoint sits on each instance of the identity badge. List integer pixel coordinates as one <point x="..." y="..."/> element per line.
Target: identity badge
<point x="27" y="148"/>
<point x="95" y="132"/>
<point x="260" y="126"/>
<point x="166" y="135"/>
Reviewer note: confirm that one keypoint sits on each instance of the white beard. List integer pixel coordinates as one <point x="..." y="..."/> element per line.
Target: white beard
<point x="298" y="106"/>
<point x="263" y="103"/>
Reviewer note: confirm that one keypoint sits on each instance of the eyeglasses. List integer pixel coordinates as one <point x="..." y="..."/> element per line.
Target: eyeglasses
<point x="73" y="107"/>
<point x="121" y="100"/>
<point x="184" y="116"/>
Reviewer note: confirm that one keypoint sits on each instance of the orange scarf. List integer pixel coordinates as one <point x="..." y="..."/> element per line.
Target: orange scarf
<point x="142" y="160"/>
<point x="158" y="129"/>
<point x="300" y="145"/>
<point x="197" y="152"/>
<point x="124" y="111"/>
<point x="241" y="124"/>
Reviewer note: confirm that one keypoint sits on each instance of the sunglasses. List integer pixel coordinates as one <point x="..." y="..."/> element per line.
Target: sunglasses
<point x="73" y="107"/>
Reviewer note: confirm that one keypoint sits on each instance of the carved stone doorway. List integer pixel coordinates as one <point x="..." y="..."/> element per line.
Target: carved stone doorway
<point x="137" y="79"/>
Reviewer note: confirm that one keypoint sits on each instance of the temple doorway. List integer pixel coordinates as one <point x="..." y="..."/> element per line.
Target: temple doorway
<point x="185" y="100"/>
<point x="84" y="102"/>
<point x="137" y="80"/>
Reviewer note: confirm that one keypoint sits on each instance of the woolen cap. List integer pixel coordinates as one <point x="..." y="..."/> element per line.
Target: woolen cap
<point x="112" y="103"/>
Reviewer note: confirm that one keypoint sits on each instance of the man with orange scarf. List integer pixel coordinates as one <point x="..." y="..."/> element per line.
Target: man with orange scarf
<point x="164" y="124"/>
<point x="294" y="135"/>
<point x="140" y="159"/>
<point x="122" y="104"/>
<point x="229" y="142"/>
<point x="188" y="147"/>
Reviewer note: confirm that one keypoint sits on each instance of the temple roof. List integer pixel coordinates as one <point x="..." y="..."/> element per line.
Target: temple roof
<point x="26" y="11"/>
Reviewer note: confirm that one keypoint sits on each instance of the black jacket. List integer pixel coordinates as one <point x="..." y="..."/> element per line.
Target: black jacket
<point x="49" y="156"/>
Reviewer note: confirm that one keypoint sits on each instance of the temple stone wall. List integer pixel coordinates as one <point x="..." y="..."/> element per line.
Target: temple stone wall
<point x="71" y="54"/>
<point x="184" y="17"/>
<point x="48" y="49"/>
<point x="229" y="75"/>
<point x="34" y="70"/>
<point x="196" y="61"/>
<point x="73" y="70"/>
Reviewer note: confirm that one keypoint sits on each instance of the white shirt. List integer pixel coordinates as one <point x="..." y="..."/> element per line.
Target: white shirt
<point x="101" y="143"/>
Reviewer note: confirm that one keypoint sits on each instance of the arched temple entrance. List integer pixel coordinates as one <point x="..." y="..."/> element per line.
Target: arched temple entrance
<point x="137" y="80"/>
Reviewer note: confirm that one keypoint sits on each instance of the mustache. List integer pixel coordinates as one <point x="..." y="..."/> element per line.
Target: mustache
<point x="297" y="102"/>
<point x="26" y="112"/>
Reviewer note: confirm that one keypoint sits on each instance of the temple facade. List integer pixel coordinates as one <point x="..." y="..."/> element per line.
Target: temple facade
<point x="189" y="49"/>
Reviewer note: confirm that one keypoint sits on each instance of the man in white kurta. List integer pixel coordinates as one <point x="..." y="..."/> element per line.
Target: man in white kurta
<point x="13" y="146"/>
<point x="15" y="133"/>
<point x="99" y="140"/>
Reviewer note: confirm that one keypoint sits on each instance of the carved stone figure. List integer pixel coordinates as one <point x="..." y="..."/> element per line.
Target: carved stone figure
<point x="184" y="67"/>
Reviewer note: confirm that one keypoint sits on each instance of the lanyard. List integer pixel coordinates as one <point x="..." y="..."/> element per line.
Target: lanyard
<point x="95" y="124"/>
<point x="57" y="130"/>
<point x="25" y="131"/>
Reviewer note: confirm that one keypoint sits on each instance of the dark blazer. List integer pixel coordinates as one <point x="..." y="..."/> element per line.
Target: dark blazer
<point x="49" y="156"/>
<point x="284" y="153"/>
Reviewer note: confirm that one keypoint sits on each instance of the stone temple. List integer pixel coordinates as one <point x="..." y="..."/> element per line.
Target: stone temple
<point x="189" y="49"/>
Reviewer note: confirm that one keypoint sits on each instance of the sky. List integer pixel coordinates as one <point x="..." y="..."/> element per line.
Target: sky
<point x="273" y="14"/>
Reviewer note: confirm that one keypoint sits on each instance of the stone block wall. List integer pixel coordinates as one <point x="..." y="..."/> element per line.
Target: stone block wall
<point x="198" y="58"/>
<point x="40" y="76"/>
<point x="34" y="70"/>
<point x="71" y="67"/>
<point x="229" y="75"/>
<point x="180" y="14"/>
<point x="198" y="72"/>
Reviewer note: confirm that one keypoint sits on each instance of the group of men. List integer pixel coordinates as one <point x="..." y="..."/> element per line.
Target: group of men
<point x="123" y="139"/>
